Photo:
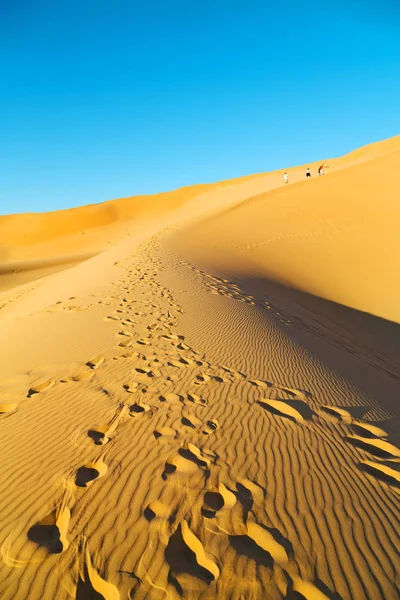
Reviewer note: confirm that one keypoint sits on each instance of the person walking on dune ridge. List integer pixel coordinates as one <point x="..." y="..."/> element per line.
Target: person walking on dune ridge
<point x="286" y="178"/>
<point x="308" y="173"/>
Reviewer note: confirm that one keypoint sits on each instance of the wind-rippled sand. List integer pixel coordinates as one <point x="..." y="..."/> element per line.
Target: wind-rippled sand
<point x="207" y="408"/>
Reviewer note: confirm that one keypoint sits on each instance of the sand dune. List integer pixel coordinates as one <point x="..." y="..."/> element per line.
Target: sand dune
<point x="208" y="407"/>
<point x="36" y="245"/>
<point x="335" y="237"/>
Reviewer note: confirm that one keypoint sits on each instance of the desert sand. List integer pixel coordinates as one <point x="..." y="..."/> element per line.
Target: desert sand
<point x="199" y="391"/>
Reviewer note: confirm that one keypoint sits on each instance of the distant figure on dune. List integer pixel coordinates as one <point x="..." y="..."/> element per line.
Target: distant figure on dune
<point x="321" y="170"/>
<point x="308" y="173"/>
<point x="286" y="178"/>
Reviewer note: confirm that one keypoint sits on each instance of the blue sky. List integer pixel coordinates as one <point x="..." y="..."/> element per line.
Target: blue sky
<point x="100" y="99"/>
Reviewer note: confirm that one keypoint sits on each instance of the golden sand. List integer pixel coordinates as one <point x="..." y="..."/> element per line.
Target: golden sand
<point x="199" y="391"/>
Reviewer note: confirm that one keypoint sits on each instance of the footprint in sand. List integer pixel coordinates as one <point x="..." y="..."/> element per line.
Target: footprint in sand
<point x="139" y="409"/>
<point x="185" y="554"/>
<point x="165" y="433"/>
<point x="234" y="373"/>
<point x="128" y="355"/>
<point x="156" y="510"/>
<point x="102" y="434"/>
<point x="368" y="430"/>
<point x="123" y="333"/>
<point x="211" y="426"/>
<point x="294" y="392"/>
<point x="41" y="387"/>
<point x="76" y="308"/>
<point x="294" y="410"/>
<point x="196" y="399"/>
<point x="90" y="584"/>
<point x="192" y="452"/>
<point x="126" y="343"/>
<point x="217" y="499"/>
<point x="175" y="363"/>
<point x="51" y="531"/>
<point x="83" y="375"/>
<point x="191" y="421"/>
<point x="6" y="410"/>
<point x="89" y="472"/>
<point x="188" y="459"/>
<point x="202" y="378"/>
<point x="220" y="379"/>
<point x="147" y="372"/>
<point x="131" y="387"/>
<point x="249" y="493"/>
<point x="112" y="318"/>
<point x="264" y="545"/>
<point x="300" y="588"/>
<point x="95" y="363"/>
<point x="142" y="370"/>
<point x="143" y="341"/>
<point x="375" y="446"/>
<point x="179" y="464"/>
<point x="149" y="357"/>
<point x="171" y="398"/>
<point x="285" y="321"/>
<point x="339" y="413"/>
<point x="183" y="346"/>
<point x="190" y="362"/>
<point x="387" y="471"/>
<point x="259" y="383"/>
<point x="171" y="336"/>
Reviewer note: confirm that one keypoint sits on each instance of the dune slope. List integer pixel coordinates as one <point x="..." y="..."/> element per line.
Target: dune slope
<point x="335" y="237"/>
<point x="177" y="421"/>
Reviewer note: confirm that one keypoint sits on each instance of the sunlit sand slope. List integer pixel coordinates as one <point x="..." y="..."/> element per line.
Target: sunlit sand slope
<point x="177" y="423"/>
<point x="34" y="245"/>
<point x="334" y="236"/>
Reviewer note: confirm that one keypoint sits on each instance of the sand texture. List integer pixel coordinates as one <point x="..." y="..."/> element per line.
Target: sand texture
<point x="199" y="391"/>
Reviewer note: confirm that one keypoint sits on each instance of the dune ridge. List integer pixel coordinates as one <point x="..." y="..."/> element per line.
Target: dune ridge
<point x="179" y="423"/>
<point x="32" y="241"/>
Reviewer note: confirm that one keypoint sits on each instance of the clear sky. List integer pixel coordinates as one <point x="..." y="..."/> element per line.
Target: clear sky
<point x="103" y="99"/>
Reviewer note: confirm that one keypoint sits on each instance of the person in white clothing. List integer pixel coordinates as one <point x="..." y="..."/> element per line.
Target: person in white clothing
<point x="286" y="178"/>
